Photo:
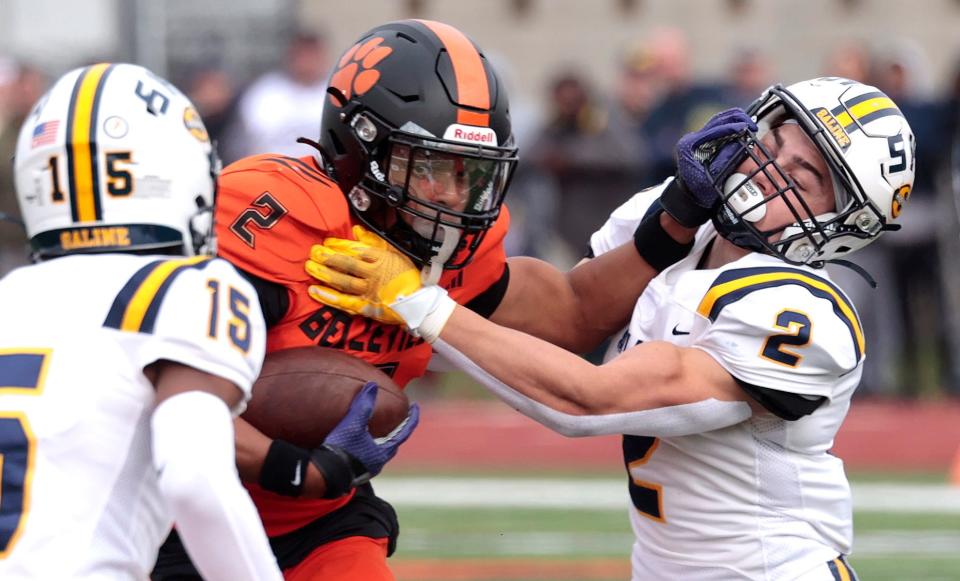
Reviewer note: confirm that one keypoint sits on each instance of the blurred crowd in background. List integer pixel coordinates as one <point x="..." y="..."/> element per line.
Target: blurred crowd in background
<point x="585" y="149"/>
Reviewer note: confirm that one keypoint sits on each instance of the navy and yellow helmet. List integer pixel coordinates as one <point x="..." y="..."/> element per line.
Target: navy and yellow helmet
<point x="867" y="145"/>
<point x="114" y="158"/>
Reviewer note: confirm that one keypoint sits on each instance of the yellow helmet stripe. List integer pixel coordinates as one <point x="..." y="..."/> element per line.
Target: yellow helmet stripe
<point x="861" y="110"/>
<point x="82" y="162"/>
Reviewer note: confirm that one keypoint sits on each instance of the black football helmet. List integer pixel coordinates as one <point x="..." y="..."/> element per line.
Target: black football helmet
<point x="416" y="102"/>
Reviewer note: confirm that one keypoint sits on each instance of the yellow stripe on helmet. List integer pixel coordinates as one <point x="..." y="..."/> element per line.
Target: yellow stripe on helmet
<point x="81" y="147"/>
<point x="861" y="110"/>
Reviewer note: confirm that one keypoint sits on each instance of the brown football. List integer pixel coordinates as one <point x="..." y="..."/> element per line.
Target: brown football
<point x="302" y="393"/>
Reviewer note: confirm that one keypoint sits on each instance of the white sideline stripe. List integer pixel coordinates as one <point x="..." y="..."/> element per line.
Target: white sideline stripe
<point x="594" y="494"/>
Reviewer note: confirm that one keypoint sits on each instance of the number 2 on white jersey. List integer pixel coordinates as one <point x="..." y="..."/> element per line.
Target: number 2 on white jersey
<point x="647" y="497"/>
<point x="798" y="327"/>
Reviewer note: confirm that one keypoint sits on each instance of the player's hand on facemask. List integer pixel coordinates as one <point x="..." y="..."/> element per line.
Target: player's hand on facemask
<point x="362" y="276"/>
<point x="702" y="156"/>
<point x="371" y="278"/>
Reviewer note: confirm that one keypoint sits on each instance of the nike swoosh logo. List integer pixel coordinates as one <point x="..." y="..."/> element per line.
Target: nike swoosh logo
<point x="675" y="332"/>
<point x="296" y="474"/>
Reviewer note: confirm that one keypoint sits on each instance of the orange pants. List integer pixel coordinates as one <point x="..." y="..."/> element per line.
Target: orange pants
<point x="349" y="559"/>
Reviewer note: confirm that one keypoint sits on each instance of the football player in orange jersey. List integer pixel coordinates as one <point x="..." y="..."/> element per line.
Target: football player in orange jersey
<point x="415" y="145"/>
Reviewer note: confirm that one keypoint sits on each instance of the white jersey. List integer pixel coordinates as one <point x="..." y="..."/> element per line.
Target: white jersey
<point x="763" y="499"/>
<point x="79" y="489"/>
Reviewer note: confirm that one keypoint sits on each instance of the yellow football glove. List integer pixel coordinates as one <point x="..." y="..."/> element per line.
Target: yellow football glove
<point x="362" y="276"/>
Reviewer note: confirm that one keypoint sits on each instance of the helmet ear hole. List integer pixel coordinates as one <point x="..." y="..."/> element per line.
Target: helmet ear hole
<point x="338" y="147"/>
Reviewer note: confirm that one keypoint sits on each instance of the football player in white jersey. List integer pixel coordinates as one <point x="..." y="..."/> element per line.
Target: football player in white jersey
<point x="125" y="351"/>
<point x="737" y="367"/>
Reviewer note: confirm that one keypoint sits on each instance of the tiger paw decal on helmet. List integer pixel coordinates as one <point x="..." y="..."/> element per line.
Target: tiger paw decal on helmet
<point x="356" y="74"/>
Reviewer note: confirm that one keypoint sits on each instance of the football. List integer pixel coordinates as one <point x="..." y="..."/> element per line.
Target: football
<point x="302" y="393"/>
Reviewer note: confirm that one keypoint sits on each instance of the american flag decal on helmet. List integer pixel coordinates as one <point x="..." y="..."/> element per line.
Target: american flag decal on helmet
<point x="45" y="133"/>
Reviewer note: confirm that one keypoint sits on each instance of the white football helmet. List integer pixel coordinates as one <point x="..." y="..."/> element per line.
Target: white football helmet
<point x="869" y="148"/>
<point x="114" y="158"/>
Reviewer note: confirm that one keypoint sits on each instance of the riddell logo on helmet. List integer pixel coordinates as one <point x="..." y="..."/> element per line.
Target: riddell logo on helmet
<point x="833" y="126"/>
<point x="470" y="134"/>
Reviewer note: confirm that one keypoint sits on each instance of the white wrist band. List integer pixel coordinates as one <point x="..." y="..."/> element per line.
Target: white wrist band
<point x="426" y="311"/>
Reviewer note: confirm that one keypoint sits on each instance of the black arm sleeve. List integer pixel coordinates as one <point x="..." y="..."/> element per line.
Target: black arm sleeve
<point x="784" y="405"/>
<point x="485" y="303"/>
<point x="274" y="300"/>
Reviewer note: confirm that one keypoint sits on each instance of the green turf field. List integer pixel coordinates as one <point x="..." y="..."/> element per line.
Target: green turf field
<point x="450" y="539"/>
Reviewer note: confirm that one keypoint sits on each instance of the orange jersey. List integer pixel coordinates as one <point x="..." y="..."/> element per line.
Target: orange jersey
<point x="270" y="210"/>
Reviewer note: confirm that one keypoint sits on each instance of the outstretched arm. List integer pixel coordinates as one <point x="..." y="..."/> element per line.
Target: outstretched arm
<point x="576" y="310"/>
<point x="654" y="388"/>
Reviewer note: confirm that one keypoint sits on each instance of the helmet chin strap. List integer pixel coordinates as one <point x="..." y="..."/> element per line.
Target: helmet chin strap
<point x="431" y="273"/>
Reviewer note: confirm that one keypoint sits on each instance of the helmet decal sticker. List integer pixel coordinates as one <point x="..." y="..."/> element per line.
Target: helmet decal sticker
<point x="857" y="112"/>
<point x="900" y="198"/>
<point x="193" y="123"/>
<point x="470" y="134"/>
<point x="95" y="237"/>
<point x="833" y="126"/>
<point x="45" y="133"/>
<point x="116" y="127"/>
<point x="356" y="75"/>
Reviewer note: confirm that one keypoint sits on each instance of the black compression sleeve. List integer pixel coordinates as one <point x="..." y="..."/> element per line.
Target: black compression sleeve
<point x="783" y="404"/>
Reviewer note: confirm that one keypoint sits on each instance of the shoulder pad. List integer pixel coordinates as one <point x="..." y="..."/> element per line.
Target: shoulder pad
<point x="773" y="327"/>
